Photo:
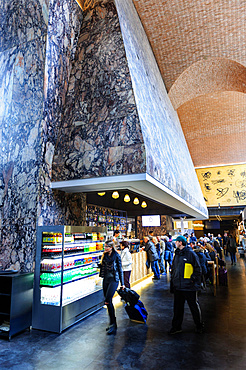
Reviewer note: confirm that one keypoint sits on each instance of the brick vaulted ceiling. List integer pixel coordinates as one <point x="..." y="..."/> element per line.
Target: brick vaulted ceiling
<point x="200" y="47"/>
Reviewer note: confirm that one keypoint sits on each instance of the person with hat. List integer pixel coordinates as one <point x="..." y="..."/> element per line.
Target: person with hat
<point x="185" y="283"/>
<point x="111" y="272"/>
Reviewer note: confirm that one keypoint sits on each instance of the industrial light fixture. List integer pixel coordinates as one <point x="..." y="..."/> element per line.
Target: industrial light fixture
<point x="136" y="201"/>
<point x="144" y="204"/>
<point x="102" y="194"/>
<point x="115" y="195"/>
<point x="127" y="198"/>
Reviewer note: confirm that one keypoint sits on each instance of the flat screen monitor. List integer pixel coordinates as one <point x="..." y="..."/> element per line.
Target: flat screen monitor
<point x="152" y="220"/>
<point x="212" y="224"/>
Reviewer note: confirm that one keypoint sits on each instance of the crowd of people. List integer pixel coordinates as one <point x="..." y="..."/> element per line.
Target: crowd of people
<point x="186" y="259"/>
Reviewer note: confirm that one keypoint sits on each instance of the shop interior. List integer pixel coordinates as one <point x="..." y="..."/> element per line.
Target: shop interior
<point x="123" y="210"/>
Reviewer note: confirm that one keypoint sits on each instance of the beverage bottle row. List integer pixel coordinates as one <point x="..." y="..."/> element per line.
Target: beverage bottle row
<point x="69" y="262"/>
<point x="53" y="279"/>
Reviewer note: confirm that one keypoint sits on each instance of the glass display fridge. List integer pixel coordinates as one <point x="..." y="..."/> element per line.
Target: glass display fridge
<point x="67" y="286"/>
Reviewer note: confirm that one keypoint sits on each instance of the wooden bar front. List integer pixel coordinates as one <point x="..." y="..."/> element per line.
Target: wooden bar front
<point x="139" y="269"/>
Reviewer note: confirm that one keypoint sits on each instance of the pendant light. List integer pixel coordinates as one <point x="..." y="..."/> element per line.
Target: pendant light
<point x="102" y="194"/>
<point x="115" y="195"/>
<point x="144" y="204"/>
<point x="127" y="198"/>
<point x="136" y="201"/>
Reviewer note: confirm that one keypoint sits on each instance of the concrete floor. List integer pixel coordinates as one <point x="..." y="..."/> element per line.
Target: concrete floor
<point x="140" y="346"/>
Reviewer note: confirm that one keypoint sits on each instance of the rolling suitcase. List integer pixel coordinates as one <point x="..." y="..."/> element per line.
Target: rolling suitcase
<point x="134" y="307"/>
<point x="137" y="312"/>
<point x="129" y="295"/>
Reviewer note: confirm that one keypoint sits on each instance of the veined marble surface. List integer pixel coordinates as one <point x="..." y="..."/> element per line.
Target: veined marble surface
<point x="101" y="133"/>
<point x="34" y="74"/>
<point x="22" y="21"/>
<point x="167" y="156"/>
<point x="65" y="20"/>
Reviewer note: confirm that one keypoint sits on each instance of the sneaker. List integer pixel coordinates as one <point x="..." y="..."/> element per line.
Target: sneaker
<point x="164" y="273"/>
<point x="155" y="278"/>
<point x="173" y="331"/>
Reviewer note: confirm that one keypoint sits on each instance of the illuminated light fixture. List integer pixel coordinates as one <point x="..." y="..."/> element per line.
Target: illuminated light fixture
<point x="144" y="204"/>
<point x="115" y="195"/>
<point x="86" y="4"/>
<point x="127" y="198"/>
<point x="136" y="201"/>
<point x="102" y="194"/>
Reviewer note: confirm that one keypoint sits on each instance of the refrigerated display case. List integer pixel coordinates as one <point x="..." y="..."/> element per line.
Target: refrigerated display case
<point x="67" y="286"/>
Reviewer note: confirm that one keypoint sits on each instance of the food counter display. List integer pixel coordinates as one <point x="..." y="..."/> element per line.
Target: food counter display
<point x="67" y="286"/>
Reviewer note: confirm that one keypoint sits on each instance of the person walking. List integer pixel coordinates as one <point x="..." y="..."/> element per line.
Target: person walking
<point x="232" y="248"/>
<point x="225" y="240"/>
<point x="185" y="283"/>
<point x="111" y="272"/>
<point x="152" y="257"/>
<point x="168" y="256"/>
<point x="126" y="260"/>
<point x="162" y="252"/>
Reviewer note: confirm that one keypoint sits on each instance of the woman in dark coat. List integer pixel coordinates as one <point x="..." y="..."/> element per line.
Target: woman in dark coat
<point x="111" y="272"/>
<point x="232" y="248"/>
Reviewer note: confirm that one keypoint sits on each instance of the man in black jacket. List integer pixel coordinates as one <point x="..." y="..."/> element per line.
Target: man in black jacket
<point x="185" y="282"/>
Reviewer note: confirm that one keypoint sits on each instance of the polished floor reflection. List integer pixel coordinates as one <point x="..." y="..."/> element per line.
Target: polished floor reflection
<point x="139" y="346"/>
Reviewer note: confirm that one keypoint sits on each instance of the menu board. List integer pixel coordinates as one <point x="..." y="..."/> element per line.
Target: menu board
<point x="223" y="185"/>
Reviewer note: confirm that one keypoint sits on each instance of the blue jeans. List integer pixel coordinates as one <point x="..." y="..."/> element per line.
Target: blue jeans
<point x="233" y="257"/>
<point x="161" y="263"/>
<point x="168" y="258"/>
<point x="155" y="269"/>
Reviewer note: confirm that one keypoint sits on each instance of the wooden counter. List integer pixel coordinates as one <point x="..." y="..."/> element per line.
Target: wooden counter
<point x="139" y="269"/>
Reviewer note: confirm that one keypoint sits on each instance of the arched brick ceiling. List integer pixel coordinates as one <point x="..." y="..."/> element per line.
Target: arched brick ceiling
<point x="184" y="32"/>
<point x="200" y="48"/>
<point x="215" y="128"/>
<point x="208" y="76"/>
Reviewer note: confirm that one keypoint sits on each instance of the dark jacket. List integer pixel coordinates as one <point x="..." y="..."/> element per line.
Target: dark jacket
<point x="232" y="245"/>
<point x="217" y="248"/>
<point x="168" y="247"/>
<point x="151" y="251"/>
<point x="203" y="260"/>
<point x="116" y="267"/>
<point x="193" y="239"/>
<point x="186" y="260"/>
<point x="212" y="255"/>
